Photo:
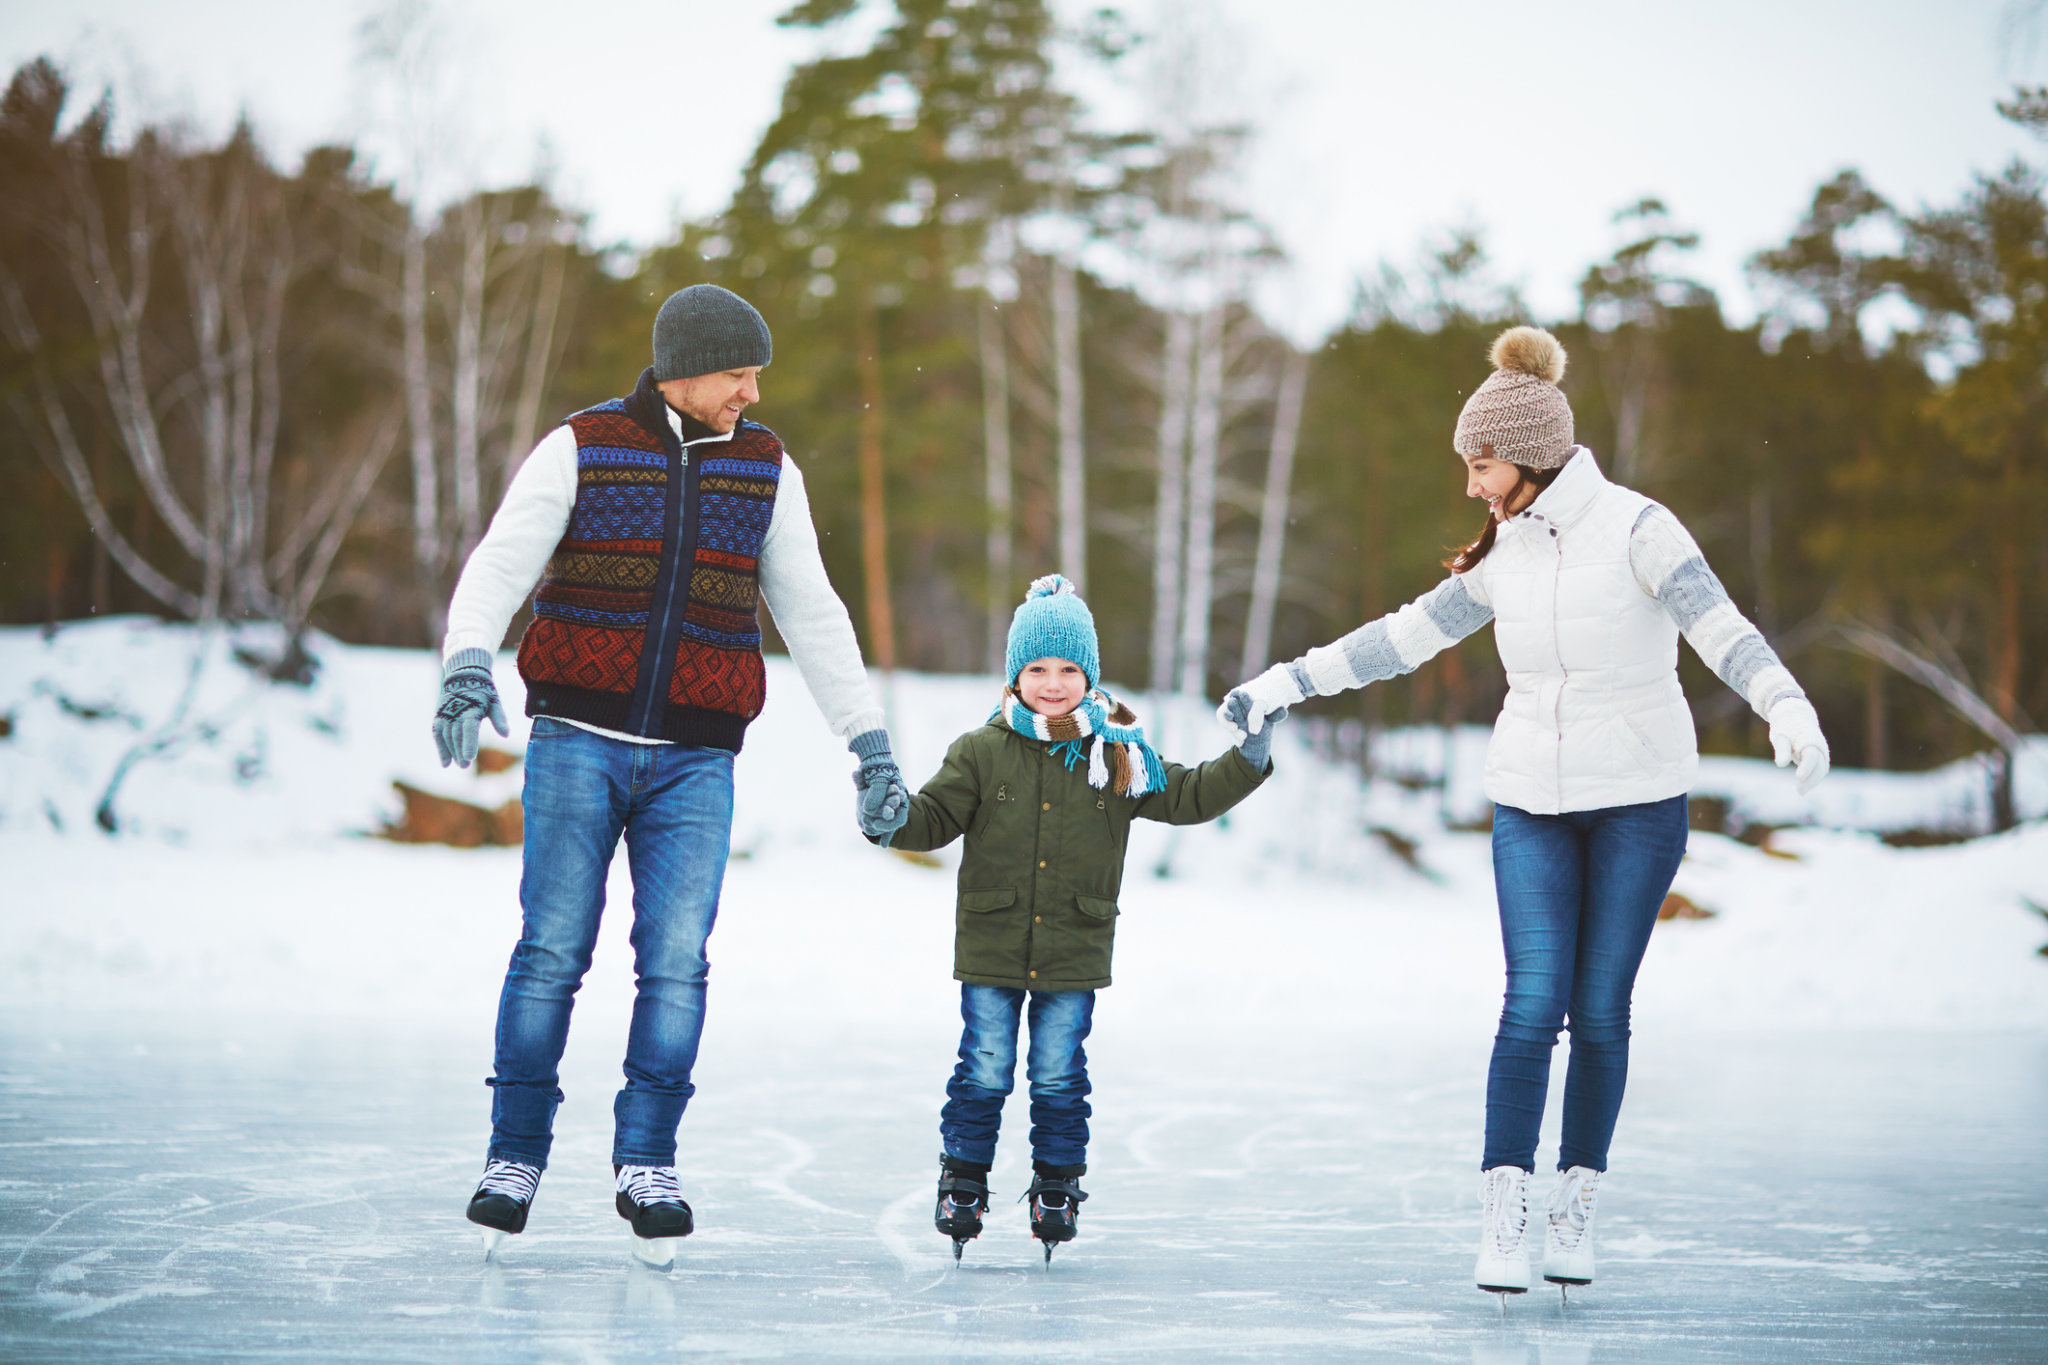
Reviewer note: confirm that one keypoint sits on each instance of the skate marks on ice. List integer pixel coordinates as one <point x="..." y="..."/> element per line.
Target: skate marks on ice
<point x="304" y="1200"/>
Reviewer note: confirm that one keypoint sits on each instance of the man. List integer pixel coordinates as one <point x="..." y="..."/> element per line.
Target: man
<point x="653" y="524"/>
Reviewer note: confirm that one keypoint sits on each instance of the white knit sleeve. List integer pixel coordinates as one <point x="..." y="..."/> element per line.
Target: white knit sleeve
<point x="1668" y="566"/>
<point x="1396" y="643"/>
<point x="508" y="561"/>
<point x="809" y="615"/>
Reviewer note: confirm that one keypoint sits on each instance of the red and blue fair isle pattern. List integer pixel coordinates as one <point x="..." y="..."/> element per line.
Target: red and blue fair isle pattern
<point x="591" y="608"/>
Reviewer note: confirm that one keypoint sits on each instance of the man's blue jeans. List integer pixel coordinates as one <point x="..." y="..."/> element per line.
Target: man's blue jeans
<point x="1579" y="895"/>
<point x="1056" y="1067"/>
<point x="673" y="804"/>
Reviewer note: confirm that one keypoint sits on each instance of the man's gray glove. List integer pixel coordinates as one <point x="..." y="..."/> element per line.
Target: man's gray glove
<point x="468" y="694"/>
<point x="1258" y="749"/>
<point x="884" y="803"/>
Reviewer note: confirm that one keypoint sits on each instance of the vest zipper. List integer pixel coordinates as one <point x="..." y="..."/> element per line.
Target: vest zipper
<point x="662" y="638"/>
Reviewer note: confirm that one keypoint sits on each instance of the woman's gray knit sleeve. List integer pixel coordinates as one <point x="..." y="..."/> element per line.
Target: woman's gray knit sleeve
<point x="1396" y="643"/>
<point x="1668" y="565"/>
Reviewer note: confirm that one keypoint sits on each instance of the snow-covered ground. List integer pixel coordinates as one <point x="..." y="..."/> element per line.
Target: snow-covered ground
<point x="242" y="1045"/>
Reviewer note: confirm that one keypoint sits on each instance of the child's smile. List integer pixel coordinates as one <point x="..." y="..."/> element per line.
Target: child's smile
<point x="1052" y="687"/>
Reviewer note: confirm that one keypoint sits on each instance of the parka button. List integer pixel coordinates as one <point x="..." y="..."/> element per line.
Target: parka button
<point x="1046" y="806"/>
<point x="1041" y="862"/>
<point x="1034" y="976"/>
<point x="1038" y="919"/>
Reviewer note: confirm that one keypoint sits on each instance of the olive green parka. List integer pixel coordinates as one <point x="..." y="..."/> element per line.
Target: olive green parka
<point x="1044" y="859"/>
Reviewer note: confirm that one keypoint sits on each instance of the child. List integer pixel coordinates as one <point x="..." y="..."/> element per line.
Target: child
<point x="1045" y="793"/>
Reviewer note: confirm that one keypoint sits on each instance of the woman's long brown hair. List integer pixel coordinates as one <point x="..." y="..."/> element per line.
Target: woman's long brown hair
<point x="1466" y="559"/>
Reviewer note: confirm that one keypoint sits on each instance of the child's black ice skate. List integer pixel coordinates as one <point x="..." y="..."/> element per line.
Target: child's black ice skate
<point x="1055" y="1196"/>
<point x="502" y="1199"/>
<point x="651" y="1199"/>
<point x="963" y="1198"/>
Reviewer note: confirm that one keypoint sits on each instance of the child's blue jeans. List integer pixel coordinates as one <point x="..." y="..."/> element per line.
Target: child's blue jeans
<point x="1056" y="1067"/>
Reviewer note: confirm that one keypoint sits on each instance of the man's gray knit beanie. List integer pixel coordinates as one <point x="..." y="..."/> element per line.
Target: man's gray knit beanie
<point x="705" y="329"/>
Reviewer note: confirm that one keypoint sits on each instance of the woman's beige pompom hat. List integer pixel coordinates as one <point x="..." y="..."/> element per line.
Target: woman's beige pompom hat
<point x="1519" y="414"/>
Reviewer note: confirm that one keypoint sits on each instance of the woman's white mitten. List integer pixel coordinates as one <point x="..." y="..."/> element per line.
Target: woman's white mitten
<point x="1248" y="704"/>
<point x="1796" y="737"/>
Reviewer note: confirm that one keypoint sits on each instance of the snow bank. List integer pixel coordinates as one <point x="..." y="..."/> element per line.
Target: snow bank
<point x="240" y="879"/>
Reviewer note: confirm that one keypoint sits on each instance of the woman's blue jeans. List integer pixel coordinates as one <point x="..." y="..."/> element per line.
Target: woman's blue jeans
<point x="1056" y="1067"/>
<point x="673" y="805"/>
<point x="1579" y="895"/>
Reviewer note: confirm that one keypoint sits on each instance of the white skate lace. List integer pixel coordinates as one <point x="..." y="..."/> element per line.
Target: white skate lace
<point x="650" y="1184"/>
<point x="1506" y="1215"/>
<point x="513" y="1179"/>
<point x="1572" y="1204"/>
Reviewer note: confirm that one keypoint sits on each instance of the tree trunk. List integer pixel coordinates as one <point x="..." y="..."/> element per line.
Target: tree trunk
<point x="2005" y="676"/>
<point x="1066" y="338"/>
<point x="1204" y="439"/>
<point x="419" y="416"/>
<point x="1258" y="626"/>
<point x="995" y="426"/>
<point x="540" y="349"/>
<point x="1876" y="729"/>
<point x="1170" y="509"/>
<point x="468" y="376"/>
<point x="1760" y="558"/>
<point x="874" y="511"/>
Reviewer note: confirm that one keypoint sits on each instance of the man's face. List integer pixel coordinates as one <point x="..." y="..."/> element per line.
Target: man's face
<point x="716" y="400"/>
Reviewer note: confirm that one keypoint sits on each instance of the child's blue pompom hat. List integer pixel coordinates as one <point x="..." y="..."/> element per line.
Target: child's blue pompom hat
<point x="1053" y="623"/>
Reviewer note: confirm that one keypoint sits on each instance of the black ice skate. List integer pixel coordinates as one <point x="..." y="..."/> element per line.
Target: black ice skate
<point x="652" y="1201"/>
<point x="502" y="1199"/>
<point x="963" y="1198"/>
<point x="1055" y="1196"/>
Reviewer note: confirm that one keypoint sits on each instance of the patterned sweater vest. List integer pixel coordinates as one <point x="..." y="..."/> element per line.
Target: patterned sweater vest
<point x="646" y="619"/>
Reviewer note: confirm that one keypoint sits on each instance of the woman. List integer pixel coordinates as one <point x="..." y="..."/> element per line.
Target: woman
<point x="1588" y="585"/>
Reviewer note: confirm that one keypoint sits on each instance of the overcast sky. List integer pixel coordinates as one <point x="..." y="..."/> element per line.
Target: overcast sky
<point x="1380" y="123"/>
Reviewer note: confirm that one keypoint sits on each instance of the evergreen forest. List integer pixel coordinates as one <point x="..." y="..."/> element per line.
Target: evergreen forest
<point x="1009" y="342"/>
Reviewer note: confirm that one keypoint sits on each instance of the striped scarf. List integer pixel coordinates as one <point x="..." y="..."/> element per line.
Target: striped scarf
<point x="1122" y="762"/>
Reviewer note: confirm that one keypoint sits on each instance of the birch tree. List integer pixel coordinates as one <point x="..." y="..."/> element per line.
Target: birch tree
<point x="180" y="260"/>
<point x="1273" y="508"/>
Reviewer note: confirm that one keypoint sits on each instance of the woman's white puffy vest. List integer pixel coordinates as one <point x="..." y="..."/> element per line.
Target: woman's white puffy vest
<point x="1594" y="714"/>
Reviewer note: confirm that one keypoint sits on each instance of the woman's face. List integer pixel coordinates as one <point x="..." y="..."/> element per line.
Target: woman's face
<point x="1498" y="484"/>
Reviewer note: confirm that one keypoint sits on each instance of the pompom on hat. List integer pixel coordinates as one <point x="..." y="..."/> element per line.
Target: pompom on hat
<point x="1519" y="414"/>
<point x="1052" y="622"/>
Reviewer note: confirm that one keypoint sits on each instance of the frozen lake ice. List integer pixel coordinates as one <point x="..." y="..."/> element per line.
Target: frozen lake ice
<point x="241" y="1053"/>
<point x="235" y="1188"/>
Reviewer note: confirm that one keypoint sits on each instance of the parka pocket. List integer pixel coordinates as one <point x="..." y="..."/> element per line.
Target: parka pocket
<point x="1096" y="907"/>
<point x="993" y="898"/>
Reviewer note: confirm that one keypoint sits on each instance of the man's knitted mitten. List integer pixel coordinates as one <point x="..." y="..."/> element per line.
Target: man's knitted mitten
<point x="884" y="802"/>
<point x="1258" y="749"/>
<point x="468" y="694"/>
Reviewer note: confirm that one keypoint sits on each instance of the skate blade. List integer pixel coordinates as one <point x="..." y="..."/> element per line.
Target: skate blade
<point x="493" y="1238"/>
<point x="1566" y="1279"/>
<point x="659" y="1252"/>
<point x="1504" y="1289"/>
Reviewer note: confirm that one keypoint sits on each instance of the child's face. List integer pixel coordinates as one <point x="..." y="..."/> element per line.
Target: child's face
<point x="1052" y="687"/>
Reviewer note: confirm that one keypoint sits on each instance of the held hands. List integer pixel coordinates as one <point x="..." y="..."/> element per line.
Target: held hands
<point x="468" y="694"/>
<point x="884" y="802"/>
<point x="1248" y="705"/>
<point x="1796" y="737"/>
<point x="1258" y="749"/>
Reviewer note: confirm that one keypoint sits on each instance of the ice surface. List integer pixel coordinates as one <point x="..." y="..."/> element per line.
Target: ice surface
<point x="241" y="1051"/>
<point x="220" y="1190"/>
